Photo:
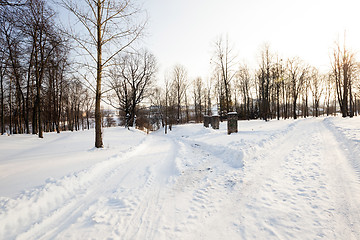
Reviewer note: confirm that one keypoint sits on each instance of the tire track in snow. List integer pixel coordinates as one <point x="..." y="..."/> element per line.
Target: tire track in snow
<point x="164" y="198"/>
<point x="345" y="181"/>
<point x="289" y="191"/>
<point x="80" y="205"/>
<point x="142" y="222"/>
<point x="289" y="187"/>
<point x="231" y="182"/>
<point x="351" y="147"/>
<point x="205" y="181"/>
<point x="202" y="185"/>
<point x="58" y="204"/>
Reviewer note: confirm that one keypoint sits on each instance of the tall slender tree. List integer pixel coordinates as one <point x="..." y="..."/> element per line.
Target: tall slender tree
<point x="179" y="86"/>
<point x="245" y="85"/>
<point x="317" y="84"/>
<point x="297" y="71"/>
<point x="111" y="27"/>
<point x="198" y="92"/>
<point x="2" y="92"/>
<point x="343" y="66"/>
<point x="264" y="77"/>
<point x="224" y="61"/>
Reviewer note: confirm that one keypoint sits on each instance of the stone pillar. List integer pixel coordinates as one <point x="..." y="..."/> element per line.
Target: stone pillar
<point x="232" y="119"/>
<point x="206" y="121"/>
<point x="215" y="120"/>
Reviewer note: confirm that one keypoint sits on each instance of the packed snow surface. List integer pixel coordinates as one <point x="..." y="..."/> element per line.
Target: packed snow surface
<point x="293" y="179"/>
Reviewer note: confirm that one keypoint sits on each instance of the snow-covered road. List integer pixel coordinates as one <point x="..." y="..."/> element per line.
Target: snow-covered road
<point x="276" y="180"/>
<point x="300" y="186"/>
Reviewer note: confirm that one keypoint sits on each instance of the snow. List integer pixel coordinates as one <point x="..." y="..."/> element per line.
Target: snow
<point x="293" y="179"/>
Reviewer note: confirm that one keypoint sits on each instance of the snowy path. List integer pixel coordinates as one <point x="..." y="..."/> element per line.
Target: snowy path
<point x="288" y="181"/>
<point x="303" y="188"/>
<point x="94" y="196"/>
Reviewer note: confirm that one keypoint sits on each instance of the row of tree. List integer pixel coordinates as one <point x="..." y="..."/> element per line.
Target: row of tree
<point x="47" y="70"/>
<point x="38" y="92"/>
<point x="285" y="88"/>
<point x="54" y="79"/>
<point x="277" y="88"/>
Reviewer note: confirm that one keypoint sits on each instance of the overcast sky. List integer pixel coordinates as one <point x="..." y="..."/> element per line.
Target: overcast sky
<point x="184" y="31"/>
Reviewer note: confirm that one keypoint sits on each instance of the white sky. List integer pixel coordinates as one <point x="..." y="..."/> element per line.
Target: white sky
<point x="183" y="31"/>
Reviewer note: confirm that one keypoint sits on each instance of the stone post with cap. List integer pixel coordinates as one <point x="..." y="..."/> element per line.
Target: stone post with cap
<point x="215" y="121"/>
<point x="232" y="119"/>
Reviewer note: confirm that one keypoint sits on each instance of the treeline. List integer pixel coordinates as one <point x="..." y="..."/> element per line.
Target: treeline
<point x="44" y="89"/>
<point x="38" y="90"/>
<point x="277" y="89"/>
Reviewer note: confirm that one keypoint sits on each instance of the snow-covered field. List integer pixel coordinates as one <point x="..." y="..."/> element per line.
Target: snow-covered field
<point x="293" y="179"/>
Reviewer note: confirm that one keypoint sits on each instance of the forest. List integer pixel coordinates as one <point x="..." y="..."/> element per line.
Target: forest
<point x="56" y="78"/>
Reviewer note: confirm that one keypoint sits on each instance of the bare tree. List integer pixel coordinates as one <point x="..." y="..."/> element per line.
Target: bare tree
<point x="167" y="100"/>
<point x="297" y="71"/>
<point x="179" y="86"/>
<point x="2" y="92"/>
<point x="111" y="28"/>
<point x="278" y="82"/>
<point x="12" y="38"/>
<point x="329" y="87"/>
<point x="88" y="105"/>
<point x="317" y="86"/>
<point x="30" y="39"/>
<point x="45" y="41"/>
<point x="244" y="84"/>
<point x="264" y="78"/>
<point x="218" y="92"/>
<point x="305" y="94"/>
<point x="224" y="61"/>
<point x="208" y="98"/>
<point x="157" y="108"/>
<point x="199" y="94"/>
<point x="356" y="86"/>
<point x="343" y="65"/>
<point x="131" y="80"/>
<point x="58" y="68"/>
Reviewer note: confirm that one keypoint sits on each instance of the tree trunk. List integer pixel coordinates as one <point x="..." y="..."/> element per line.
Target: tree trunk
<point x="351" y="100"/>
<point x="87" y="120"/>
<point x="278" y="102"/>
<point x="2" y="117"/>
<point x="344" y="108"/>
<point x="294" y="108"/>
<point x="98" y="133"/>
<point x="38" y="109"/>
<point x="27" y="101"/>
<point x="10" y="109"/>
